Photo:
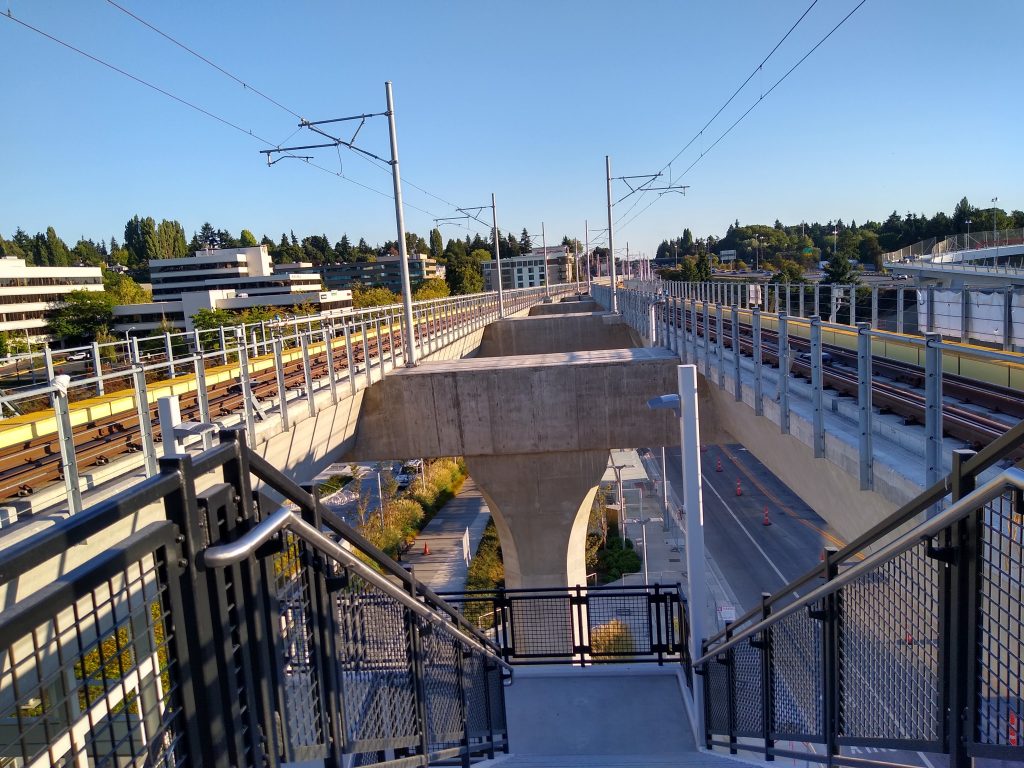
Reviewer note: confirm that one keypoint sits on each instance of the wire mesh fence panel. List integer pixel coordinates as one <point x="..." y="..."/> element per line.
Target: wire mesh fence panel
<point x="618" y="625"/>
<point x="796" y="675"/>
<point x="748" y="690"/>
<point x="716" y="697"/>
<point x="375" y="669"/>
<point x="91" y="677"/>
<point x="442" y="687"/>
<point x="888" y="651"/>
<point x="541" y="626"/>
<point x="1000" y="674"/>
<point x="302" y="716"/>
<point x="496" y="698"/>
<point x="474" y="681"/>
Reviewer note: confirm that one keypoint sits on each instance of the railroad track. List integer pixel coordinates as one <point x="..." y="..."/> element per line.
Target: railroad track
<point x="29" y="466"/>
<point x="905" y="401"/>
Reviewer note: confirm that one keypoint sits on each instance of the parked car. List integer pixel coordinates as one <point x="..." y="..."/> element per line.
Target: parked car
<point x="75" y="357"/>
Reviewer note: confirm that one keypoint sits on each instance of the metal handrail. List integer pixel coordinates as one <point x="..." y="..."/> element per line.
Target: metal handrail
<point x="284" y="519"/>
<point x="1010" y="478"/>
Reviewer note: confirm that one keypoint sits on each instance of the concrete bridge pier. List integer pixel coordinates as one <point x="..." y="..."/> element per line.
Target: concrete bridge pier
<point x="540" y="503"/>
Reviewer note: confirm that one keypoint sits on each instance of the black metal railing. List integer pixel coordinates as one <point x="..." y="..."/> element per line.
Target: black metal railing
<point x="179" y="624"/>
<point x="583" y="625"/>
<point x="910" y="637"/>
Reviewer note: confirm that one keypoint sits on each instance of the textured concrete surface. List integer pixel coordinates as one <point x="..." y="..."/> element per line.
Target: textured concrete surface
<point x="545" y="334"/>
<point x="597" y="711"/>
<point x="565" y="307"/>
<point x="513" y="405"/>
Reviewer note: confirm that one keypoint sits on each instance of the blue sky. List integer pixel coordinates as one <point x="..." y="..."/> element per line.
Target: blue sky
<point x="910" y="105"/>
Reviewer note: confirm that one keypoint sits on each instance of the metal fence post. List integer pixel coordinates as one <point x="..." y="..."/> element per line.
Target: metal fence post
<point x="957" y="653"/>
<point x="784" y="373"/>
<point x="248" y="400"/>
<point x="874" y="306"/>
<point x="307" y="374"/>
<point x="351" y="361"/>
<point x="930" y="325"/>
<point x="817" y="300"/>
<point x="899" y="310"/>
<point x="65" y="436"/>
<point x="755" y="329"/>
<point x="707" y="342"/>
<point x="142" y="408"/>
<point x="829" y="615"/>
<point x="282" y="391"/>
<point x="864" y="386"/>
<point x="800" y="303"/>
<point x="720" y="343"/>
<point x="933" y="407"/>
<point x="97" y="367"/>
<point x="169" y="351"/>
<point x="202" y="396"/>
<point x="763" y="644"/>
<point x="328" y="334"/>
<point x="223" y="345"/>
<point x="737" y="382"/>
<point x="965" y="315"/>
<point x="366" y="352"/>
<point x="853" y="305"/>
<point x="1008" y="318"/>
<point x="816" y="384"/>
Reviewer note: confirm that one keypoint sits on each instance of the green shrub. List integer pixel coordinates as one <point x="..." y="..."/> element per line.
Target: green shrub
<point x="613" y="637"/>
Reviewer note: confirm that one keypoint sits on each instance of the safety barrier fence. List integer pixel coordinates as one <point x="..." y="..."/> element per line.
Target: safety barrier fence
<point x="179" y="624"/>
<point x="582" y="625"/>
<point x="967" y="241"/>
<point x="909" y="642"/>
<point x="250" y="374"/>
<point x="862" y="363"/>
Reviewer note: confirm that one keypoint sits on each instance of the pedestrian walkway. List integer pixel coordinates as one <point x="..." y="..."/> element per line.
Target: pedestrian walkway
<point x="437" y="556"/>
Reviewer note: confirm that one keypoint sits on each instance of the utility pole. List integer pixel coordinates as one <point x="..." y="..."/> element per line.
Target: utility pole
<point x="336" y="142"/>
<point x="403" y="256"/>
<point x="586" y="236"/>
<point x="576" y="263"/>
<point x="611" y="241"/>
<point x="497" y="259"/>
<point x="544" y="248"/>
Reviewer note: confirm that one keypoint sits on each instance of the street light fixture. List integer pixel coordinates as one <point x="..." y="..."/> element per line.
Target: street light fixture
<point x="643" y="521"/>
<point x="968" y="243"/>
<point x="617" y="468"/>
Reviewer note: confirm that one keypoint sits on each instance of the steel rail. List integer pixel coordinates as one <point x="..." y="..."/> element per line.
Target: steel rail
<point x="245" y="546"/>
<point x="1009" y="478"/>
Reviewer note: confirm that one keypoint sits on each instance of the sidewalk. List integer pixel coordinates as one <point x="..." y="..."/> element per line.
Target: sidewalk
<point x="445" y="569"/>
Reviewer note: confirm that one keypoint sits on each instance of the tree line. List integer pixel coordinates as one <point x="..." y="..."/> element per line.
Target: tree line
<point x="806" y="244"/>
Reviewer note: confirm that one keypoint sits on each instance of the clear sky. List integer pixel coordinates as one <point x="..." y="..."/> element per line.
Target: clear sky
<point x="910" y="105"/>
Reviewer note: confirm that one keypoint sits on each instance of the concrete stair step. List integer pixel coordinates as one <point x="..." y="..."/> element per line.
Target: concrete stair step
<point x="684" y="760"/>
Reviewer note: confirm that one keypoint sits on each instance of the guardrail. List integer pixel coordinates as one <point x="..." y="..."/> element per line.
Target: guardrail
<point x="583" y="625"/>
<point x="913" y="644"/>
<point x="222" y="634"/>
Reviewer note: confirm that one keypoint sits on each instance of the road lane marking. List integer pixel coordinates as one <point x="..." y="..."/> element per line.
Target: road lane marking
<point x="707" y="484"/>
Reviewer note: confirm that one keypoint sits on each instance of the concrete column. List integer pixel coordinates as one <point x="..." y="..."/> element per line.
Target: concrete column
<point x="720" y="340"/>
<point x="540" y="503"/>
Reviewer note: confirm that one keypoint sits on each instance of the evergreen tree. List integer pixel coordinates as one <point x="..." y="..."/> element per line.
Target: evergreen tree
<point x="436" y="243"/>
<point x="247" y="239"/>
<point x="525" y="243"/>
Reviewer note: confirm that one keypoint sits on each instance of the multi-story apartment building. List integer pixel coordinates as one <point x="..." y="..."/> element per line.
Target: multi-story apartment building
<point x="528" y="271"/>
<point x="385" y="271"/>
<point x="29" y="294"/>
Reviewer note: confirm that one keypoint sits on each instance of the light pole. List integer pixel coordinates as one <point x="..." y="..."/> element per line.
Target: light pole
<point x="617" y="468"/>
<point x="544" y="248"/>
<point x="995" y="241"/>
<point x="643" y="521"/>
<point x="967" y="245"/>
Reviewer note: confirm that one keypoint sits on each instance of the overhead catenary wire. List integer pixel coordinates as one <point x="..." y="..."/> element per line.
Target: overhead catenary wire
<point x="753" y="73"/>
<point x="751" y="108"/>
<point x="271" y="100"/>
<point x="201" y="110"/>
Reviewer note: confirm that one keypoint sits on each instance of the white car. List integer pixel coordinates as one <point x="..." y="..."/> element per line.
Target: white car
<point x="75" y="357"/>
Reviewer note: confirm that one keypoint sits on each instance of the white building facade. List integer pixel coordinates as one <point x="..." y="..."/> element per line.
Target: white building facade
<point x="28" y="294"/>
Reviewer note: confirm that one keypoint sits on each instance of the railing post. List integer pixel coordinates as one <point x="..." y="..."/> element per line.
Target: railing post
<point x="351" y="362"/>
<point x="707" y="342"/>
<point x="720" y="343"/>
<point x="223" y="345"/>
<point x="97" y="367"/>
<point x="282" y="390"/>
<point x="853" y="305"/>
<point x="1008" y="318"/>
<point x="874" y="306"/>
<point x="755" y="327"/>
<point x="380" y="349"/>
<point x="800" y="304"/>
<point x="899" y="310"/>
<point x="767" y="699"/>
<point x="817" y="300"/>
<point x="730" y="689"/>
<point x="933" y="408"/>
<point x="169" y="351"/>
<point x="307" y="374"/>
<point x="930" y="310"/>
<point x="830" y="629"/>
<point x="736" y="370"/>
<point x="328" y="336"/>
<point x="816" y="386"/>
<point x="65" y="436"/>
<point x="142" y="408"/>
<point x="864" y="387"/>
<point x="248" y="400"/>
<point x="202" y="396"/>
<point x="958" y="607"/>
<point x="784" y="372"/>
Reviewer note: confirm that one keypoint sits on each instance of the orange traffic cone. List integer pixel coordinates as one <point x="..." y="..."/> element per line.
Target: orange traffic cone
<point x="765" y="520"/>
<point x="910" y="638"/>
<point x="739" y="488"/>
<point x="426" y="549"/>
<point x="718" y="466"/>
<point x="1013" y="737"/>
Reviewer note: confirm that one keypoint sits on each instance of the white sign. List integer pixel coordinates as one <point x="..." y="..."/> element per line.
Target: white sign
<point x="466" y="554"/>
<point x="754" y="295"/>
<point x="726" y="612"/>
<point x="726" y="256"/>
